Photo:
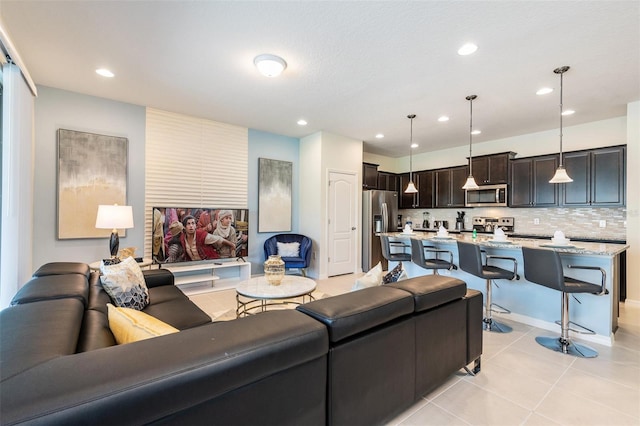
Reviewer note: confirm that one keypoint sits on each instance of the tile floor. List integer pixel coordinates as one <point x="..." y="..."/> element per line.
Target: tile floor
<point x="521" y="383"/>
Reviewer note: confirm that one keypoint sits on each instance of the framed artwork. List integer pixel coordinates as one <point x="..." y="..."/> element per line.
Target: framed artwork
<point x="274" y="195"/>
<point x="92" y="170"/>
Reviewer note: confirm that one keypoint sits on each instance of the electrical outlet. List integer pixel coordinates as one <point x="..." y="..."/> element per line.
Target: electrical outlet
<point x="536" y="221"/>
<point x="603" y="224"/>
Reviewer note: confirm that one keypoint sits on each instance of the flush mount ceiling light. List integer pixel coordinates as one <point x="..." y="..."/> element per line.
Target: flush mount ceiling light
<point x="568" y="112"/>
<point x="561" y="175"/>
<point x="443" y="118"/>
<point x="302" y="122"/>
<point x="379" y="136"/>
<point x="104" y="72"/>
<point x="471" y="182"/>
<point x="467" y="49"/>
<point x="411" y="188"/>
<point x="270" y="65"/>
<point x="544" y="91"/>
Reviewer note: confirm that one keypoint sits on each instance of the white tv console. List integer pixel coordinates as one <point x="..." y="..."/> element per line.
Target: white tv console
<point x="209" y="276"/>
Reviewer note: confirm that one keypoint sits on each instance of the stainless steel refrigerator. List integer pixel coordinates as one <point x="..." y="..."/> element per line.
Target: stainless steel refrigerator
<point x="379" y="214"/>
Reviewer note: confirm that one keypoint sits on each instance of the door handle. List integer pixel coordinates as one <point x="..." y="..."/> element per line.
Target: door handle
<point x="353" y="228"/>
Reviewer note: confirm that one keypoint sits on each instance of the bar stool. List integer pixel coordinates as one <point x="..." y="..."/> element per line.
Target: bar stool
<point x="387" y="245"/>
<point x="471" y="262"/>
<point x="418" y="256"/>
<point x="544" y="267"/>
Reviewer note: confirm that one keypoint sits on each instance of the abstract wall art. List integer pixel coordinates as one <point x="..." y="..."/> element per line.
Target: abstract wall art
<point x="274" y="195"/>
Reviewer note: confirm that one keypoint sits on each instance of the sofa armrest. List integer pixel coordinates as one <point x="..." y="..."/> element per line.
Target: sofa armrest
<point x="158" y="277"/>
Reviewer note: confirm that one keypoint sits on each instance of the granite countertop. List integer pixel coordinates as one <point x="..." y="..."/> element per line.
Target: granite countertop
<point x="584" y="248"/>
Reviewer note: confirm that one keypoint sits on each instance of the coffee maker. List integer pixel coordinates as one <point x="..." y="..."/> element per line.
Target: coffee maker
<point x="400" y="221"/>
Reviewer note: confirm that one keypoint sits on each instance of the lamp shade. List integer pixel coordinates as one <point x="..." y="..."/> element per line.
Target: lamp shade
<point x="561" y="176"/>
<point x="470" y="183"/>
<point x="411" y="188"/>
<point x="114" y="217"/>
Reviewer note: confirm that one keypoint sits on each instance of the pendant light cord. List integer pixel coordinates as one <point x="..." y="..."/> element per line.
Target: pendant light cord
<point x="561" y="86"/>
<point x="470" y="135"/>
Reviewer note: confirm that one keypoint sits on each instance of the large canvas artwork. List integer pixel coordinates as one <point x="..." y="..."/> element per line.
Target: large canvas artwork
<point x="274" y="195"/>
<point x="92" y="170"/>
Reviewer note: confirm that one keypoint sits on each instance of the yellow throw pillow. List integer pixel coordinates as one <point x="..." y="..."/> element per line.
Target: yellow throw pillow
<point x="129" y="325"/>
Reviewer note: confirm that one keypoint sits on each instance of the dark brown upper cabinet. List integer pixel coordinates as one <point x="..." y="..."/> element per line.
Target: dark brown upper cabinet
<point x="448" y="186"/>
<point x="492" y="169"/>
<point x="369" y="176"/>
<point x="530" y="185"/>
<point x="387" y="181"/>
<point x="598" y="177"/>
<point x="405" y="201"/>
<point x="424" y="183"/>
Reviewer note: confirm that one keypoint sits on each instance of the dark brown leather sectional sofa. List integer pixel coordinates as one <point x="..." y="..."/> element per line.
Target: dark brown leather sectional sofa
<point x="357" y="358"/>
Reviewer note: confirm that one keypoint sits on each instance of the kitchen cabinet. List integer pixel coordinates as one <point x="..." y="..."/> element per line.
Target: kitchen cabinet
<point x="424" y="182"/>
<point x="598" y="177"/>
<point x="448" y="186"/>
<point x="405" y="201"/>
<point x="492" y="169"/>
<point x="530" y="185"/>
<point x="369" y="176"/>
<point x="387" y="181"/>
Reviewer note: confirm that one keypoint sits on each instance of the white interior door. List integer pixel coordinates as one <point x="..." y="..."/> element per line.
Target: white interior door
<point x="342" y="224"/>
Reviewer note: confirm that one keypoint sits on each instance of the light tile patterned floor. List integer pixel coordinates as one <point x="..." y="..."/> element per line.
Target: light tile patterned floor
<point x="521" y="383"/>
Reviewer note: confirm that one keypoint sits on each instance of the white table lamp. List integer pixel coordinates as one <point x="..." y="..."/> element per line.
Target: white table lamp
<point x="114" y="217"/>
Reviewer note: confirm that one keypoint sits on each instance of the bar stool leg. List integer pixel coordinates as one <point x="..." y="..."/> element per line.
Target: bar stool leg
<point x="488" y="323"/>
<point x="563" y="343"/>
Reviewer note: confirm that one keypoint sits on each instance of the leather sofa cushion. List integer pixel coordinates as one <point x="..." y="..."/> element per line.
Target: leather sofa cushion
<point x="50" y="287"/>
<point x="158" y="277"/>
<point x="349" y="314"/>
<point x="430" y="291"/>
<point x="36" y="332"/>
<point x="63" y="268"/>
<point x="170" y="305"/>
<point x="120" y="384"/>
<point x="95" y="332"/>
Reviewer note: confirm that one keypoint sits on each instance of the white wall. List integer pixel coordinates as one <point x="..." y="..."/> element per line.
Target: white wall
<point x="633" y="202"/>
<point x="320" y="153"/>
<point x="584" y="136"/>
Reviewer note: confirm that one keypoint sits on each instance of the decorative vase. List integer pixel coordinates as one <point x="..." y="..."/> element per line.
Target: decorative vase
<point x="274" y="269"/>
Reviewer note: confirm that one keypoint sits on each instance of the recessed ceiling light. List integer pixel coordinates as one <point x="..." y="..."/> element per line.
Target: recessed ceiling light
<point x="414" y="145"/>
<point x="476" y="132"/>
<point x="544" y="91"/>
<point x="270" y="65"/>
<point x="443" y="118"/>
<point x="104" y="72"/>
<point x="568" y="112"/>
<point x="379" y="136"/>
<point x="302" y="122"/>
<point x="467" y="49"/>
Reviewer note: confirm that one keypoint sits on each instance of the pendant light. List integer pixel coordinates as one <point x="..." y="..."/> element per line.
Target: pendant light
<point x="411" y="188"/>
<point x="471" y="182"/>
<point x="561" y="175"/>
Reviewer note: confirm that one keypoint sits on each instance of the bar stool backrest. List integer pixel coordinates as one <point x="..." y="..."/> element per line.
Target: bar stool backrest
<point x="470" y="258"/>
<point x="384" y="241"/>
<point x="417" y="252"/>
<point x="543" y="267"/>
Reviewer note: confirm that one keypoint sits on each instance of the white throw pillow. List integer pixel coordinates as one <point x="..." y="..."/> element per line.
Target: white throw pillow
<point x="370" y="279"/>
<point x="125" y="284"/>
<point x="289" y="249"/>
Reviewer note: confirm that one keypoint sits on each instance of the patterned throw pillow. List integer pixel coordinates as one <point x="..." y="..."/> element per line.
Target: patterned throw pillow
<point x="125" y="284"/>
<point x="396" y="274"/>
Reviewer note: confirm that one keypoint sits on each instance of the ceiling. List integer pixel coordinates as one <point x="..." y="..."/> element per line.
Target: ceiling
<point x="354" y="68"/>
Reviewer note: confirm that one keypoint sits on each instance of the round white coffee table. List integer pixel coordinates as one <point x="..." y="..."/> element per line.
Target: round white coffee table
<point x="257" y="295"/>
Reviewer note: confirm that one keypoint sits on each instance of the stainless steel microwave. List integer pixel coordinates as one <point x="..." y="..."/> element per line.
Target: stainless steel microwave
<point x="487" y="196"/>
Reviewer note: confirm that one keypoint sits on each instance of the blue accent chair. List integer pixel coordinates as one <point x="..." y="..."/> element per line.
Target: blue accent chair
<point x="302" y="262"/>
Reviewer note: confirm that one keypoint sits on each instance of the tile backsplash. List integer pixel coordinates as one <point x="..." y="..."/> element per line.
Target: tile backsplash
<point x="581" y="222"/>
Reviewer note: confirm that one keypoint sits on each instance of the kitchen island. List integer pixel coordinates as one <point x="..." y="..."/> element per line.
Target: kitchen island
<point x="534" y="304"/>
